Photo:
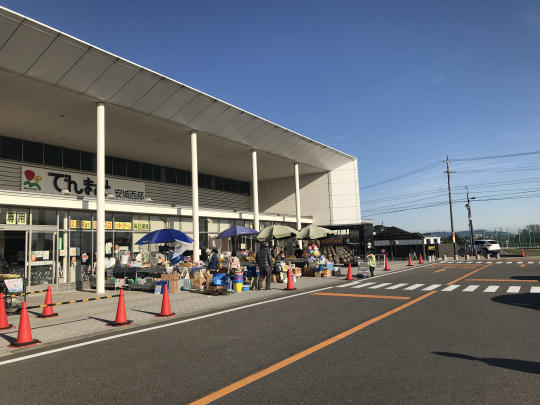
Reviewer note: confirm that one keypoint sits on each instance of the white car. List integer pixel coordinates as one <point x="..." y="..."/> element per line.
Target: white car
<point x="487" y="246"/>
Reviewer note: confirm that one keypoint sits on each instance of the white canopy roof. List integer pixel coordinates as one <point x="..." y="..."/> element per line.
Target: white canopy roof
<point x="50" y="83"/>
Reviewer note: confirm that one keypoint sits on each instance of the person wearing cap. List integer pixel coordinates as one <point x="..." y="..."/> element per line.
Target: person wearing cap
<point x="264" y="261"/>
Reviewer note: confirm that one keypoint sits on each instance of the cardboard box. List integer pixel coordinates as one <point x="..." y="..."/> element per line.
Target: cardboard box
<point x="309" y="273"/>
<point x="174" y="286"/>
<point x="172" y="276"/>
<point x="196" y="282"/>
<point x="326" y="273"/>
<point x="297" y="271"/>
<point x="317" y="273"/>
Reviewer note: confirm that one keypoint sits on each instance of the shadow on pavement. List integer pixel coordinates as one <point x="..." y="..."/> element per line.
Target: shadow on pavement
<point x="532" y="367"/>
<point x="517" y="278"/>
<point x="526" y="300"/>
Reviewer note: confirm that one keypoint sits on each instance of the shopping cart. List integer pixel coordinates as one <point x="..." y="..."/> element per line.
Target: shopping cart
<point x="363" y="268"/>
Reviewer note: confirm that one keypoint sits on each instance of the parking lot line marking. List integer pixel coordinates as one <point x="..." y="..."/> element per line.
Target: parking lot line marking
<point x="451" y="287"/>
<point x="380" y="285"/>
<point x="348" y="285"/>
<point x="467" y="275"/>
<point x="431" y="287"/>
<point x="396" y="286"/>
<point x="535" y="289"/>
<point x="492" y="288"/>
<point x="414" y="287"/>
<point x="284" y="363"/>
<point x="363" y="285"/>
<point x="388" y="297"/>
<point x="514" y="289"/>
<point x="471" y="288"/>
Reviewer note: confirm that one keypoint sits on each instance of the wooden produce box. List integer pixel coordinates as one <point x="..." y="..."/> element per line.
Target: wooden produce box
<point x="308" y="272"/>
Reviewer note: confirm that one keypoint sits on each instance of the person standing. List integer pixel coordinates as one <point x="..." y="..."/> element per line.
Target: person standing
<point x="213" y="261"/>
<point x="371" y="263"/>
<point x="264" y="261"/>
<point x="234" y="263"/>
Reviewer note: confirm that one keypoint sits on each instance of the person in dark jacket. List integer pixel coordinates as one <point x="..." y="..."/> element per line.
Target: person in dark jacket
<point x="213" y="261"/>
<point x="264" y="261"/>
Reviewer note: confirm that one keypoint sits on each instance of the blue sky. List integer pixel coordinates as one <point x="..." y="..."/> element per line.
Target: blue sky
<point x="399" y="85"/>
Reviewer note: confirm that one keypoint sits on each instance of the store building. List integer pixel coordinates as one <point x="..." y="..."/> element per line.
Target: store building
<point x="96" y="151"/>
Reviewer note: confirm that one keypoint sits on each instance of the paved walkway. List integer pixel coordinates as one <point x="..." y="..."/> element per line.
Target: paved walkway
<point x="89" y="319"/>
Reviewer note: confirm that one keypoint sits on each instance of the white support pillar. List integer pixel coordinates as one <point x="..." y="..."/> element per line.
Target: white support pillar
<point x="297" y="197"/>
<point x="255" y="190"/>
<point x="195" y="195"/>
<point x="100" y="193"/>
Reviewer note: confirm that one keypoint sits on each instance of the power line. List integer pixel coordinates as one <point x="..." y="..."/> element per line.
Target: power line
<point x="422" y="169"/>
<point x="497" y="156"/>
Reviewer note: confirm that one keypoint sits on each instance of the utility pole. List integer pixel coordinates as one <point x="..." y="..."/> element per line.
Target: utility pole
<point x="471" y="230"/>
<point x="450" y="201"/>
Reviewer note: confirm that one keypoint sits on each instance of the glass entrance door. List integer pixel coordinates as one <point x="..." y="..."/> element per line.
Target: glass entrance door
<point x="41" y="258"/>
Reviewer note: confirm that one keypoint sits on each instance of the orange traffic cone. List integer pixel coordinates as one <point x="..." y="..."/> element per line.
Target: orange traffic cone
<point x="420" y="261"/>
<point x="3" y="315"/>
<point x="24" y="337"/>
<point x="166" y="305"/>
<point x="121" y="313"/>
<point x="290" y="285"/>
<point x="349" y="274"/>
<point x="410" y="261"/>
<point x="522" y="253"/>
<point x="386" y="264"/>
<point x="48" y="311"/>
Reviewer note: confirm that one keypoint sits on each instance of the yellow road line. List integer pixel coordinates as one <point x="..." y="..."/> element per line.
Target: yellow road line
<point x="467" y="275"/>
<point x="512" y="281"/>
<point x="269" y="370"/>
<point x="389" y="297"/>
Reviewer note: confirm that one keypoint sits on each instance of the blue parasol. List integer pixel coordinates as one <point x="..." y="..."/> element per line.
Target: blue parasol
<point x="236" y="231"/>
<point x="164" y="236"/>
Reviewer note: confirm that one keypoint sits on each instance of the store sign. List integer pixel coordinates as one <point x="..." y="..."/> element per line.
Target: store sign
<point x="141" y="226"/>
<point x="53" y="181"/>
<point x="16" y="218"/>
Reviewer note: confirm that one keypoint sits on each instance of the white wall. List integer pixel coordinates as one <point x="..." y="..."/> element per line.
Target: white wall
<point x="344" y="195"/>
<point x="278" y="196"/>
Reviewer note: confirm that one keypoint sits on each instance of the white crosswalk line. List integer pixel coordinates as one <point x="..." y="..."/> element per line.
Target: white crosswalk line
<point x="362" y="285"/>
<point x="414" y="287"/>
<point x="535" y="289"/>
<point x="471" y="288"/>
<point x="347" y="285"/>
<point x="431" y="287"/>
<point x="498" y="263"/>
<point x="451" y="287"/>
<point x="514" y="289"/>
<point x="468" y="262"/>
<point x="396" y="286"/>
<point x="519" y="262"/>
<point x="380" y="285"/>
<point x="492" y="288"/>
<point x="478" y="262"/>
<point x="530" y="262"/>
